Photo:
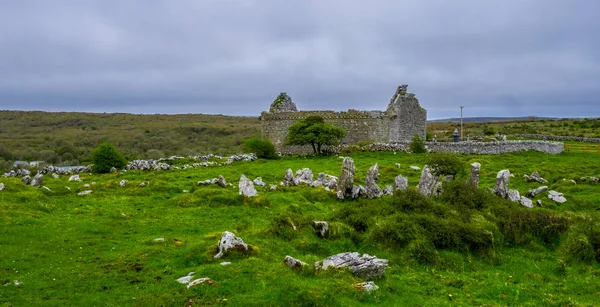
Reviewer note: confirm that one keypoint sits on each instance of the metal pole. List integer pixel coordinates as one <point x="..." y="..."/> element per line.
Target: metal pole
<point x="461" y="122"/>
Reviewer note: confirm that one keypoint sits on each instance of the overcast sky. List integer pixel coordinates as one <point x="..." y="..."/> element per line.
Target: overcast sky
<point x="496" y="58"/>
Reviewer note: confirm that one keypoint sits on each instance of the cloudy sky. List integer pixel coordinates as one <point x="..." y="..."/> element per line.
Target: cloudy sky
<point x="496" y="58"/>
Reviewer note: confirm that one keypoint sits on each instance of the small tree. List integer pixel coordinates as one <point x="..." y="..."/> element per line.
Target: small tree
<point x="417" y="145"/>
<point x="106" y="156"/>
<point x="445" y="163"/>
<point x="315" y="131"/>
<point x="263" y="148"/>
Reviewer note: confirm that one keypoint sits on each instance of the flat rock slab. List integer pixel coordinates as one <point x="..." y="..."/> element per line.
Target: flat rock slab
<point x="365" y="266"/>
<point x="557" y="197"/>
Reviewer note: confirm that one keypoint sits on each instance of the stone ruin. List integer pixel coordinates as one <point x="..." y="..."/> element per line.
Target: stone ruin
<point x="402" y="119"/>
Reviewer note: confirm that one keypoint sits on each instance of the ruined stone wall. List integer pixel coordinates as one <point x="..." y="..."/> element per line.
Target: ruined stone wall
<point x="403" y="118"/>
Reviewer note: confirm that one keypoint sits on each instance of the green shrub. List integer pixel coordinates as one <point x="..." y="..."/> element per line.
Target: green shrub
<point x="417" y="144"/>
<point x="263" y="148"/>
<point x="444" y="163"/>
<point x="521" y="225"/>
<point x="107" y="156"/>
<point x="462" y="195"/>
<point x="577" y="248"/>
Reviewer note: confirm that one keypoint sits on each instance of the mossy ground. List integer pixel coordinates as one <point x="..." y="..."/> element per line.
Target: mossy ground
<point x="98" y="250"/>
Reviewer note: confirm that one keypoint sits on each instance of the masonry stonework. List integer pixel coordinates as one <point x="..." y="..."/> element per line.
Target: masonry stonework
<point x="402" y="119"/>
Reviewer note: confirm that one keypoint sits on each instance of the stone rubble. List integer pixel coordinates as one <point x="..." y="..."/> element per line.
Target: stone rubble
<point x="1" y="186"/>
<point x="259" y="182"/>
<point x="526" y="202"/>
<point x="366" y="266"/>
<point x="388" y="190"/>
<point x="221" y="181"/>
<point x="289" y="178"/>
<point x="557" y="197"/>
<point x="230" y="242"/>
<point x="200" y="281"/>
<point x="304" y="175"/>
<point x="293" y="262"/>
<point x="535" y="176"/>
<point x="534" y="192"/>
<point x="86" y="192"/>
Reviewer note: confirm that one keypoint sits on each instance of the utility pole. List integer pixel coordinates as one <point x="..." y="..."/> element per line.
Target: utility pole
<point x="461" y="122"/>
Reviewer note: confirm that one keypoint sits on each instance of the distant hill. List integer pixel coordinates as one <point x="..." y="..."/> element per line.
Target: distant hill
<point x="491" y="119"/>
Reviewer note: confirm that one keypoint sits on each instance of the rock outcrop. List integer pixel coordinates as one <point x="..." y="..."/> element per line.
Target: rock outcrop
<point x="427" y="182"/>
<point x="400" y="183"/>
<point x="501" y="188"/>
<point x="474" y="178"/>
<point x="346" y="183"/>
<point x="372" y="190"/>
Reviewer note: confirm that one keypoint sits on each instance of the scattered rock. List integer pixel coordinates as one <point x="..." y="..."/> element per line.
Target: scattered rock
<point x="1" y="186"/>
<point x="143" y="184"/>
<point x="26" y="179"/>
<point x="200" y="281"/>
<point x="225" y="263"/>
<point x="246" y="187"/>
<point x="221" y="181"/>
<point x="230" y="242"/>
<point x="321" y="227"/>
<point x="113" y="170"/>
<point x="513" y="195"/>
<point x="557" y="197"/>
<point x="159" y="240"/>
<point x="46" y="188"/>
<point x="289" y="177"/>
<point x="123" y="182"/>
<point x="37" y="180"/>
<point x="501" y="188"/>
<point x="293" y="262"/>
<point x="186" y="279"/>
<point x="365" y="286"/>
<point x="258" y="181"/>
<point x="304" y="175"/>
<point x="372" y="190"/>
<point x="475" y="170"/>
<point x="208" y="181"/>
<point x="400" y="183"/>
<point x="526" y="202"/>
<point x="398" y="165"/>
<point x="570" y="180"/>
<point x="539" y="203"/>
<point x="416" y="168"/>
<point x="534" y="192"/>
<point x="325" y="180"/>
<point x="427" y="182"/>
<point x="86" y="186"/>
<point x="86" y="192"/>
<point x="365" y="266"/>
<point x="388" y="190"/>
<point x="356" y="191"/>
<point x="272" y="187"/>
<point x="55" y="175"/>
<point x="535" y="176"/>
<point x="75" y="178"/>
<point x="346" y="183"/>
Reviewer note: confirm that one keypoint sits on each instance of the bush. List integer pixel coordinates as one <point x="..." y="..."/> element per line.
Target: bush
<point x="263" y="148"/>
<point x="107" y="156"/>
<point x="443" y="163"/>
<point x="417" y="144"/>
<point x="314" y="131"/>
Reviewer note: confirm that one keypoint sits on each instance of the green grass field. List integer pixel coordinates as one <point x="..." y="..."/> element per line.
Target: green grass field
<point x="98" y="250"/>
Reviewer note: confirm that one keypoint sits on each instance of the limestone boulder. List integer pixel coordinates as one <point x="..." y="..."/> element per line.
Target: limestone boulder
<point x="534" y="192"/>
<point x="388" y="190"/>
<point x="427" y="182"/>
<point x="557" y="196"/>
<point x="501" y="188"/>
<point x="259" y="182"/>
<point x="372" y="190"/>
<point x="400" y="183"/>
<point x="526" y="202"/>
<point x="221" y="181"/>
<point x="321" y="227"/>
<point x="37" y="180"/>
<point x="75" y="178"/>
<point x="26" y="179"/>
<point x="230" y="242"/>
<point x="123" y="182"/>
<point x="366" y="266"/>
<point x="304" y="175"/>
<point x="1" y="186"/>
<point x="345" y="185"/>
<point x="289" y="177"/>
<point x="514" y="196"/>
<point x="293" y="262"/>
<point x="55" y="175"/>
<point x="246" y="187"/>
<point x="474" y="177"/>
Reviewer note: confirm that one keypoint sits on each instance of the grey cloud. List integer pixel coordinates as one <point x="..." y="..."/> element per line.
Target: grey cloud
<point x="498" y="58"/>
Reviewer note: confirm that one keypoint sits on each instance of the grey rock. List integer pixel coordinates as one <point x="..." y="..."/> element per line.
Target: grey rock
<point x="535" y="176"/>
<point x="46" y="188"/>
<point x="225" y="263"/>
<point x="75" y="178"/>
<point x="289" y="177"/>
<point x="26" y="179"/>
<point x="345" y="186"/>
<point x="86" y="192"/>
<point x="388" y="190"/>
<point x="185" y="279"/>
<point x="365" y="286"/>
<point x="365" y="266"/>
<point x="123" y="182"/>
<point x="513" y="195"/>
<point x="113" y="170"/>
<point x="356" y="191"/>
<point x="400" y="183"/>
<point x="86" y="186"/>
<point x="416" y="168"/>
<point x="283" y="103"/>
<point x="230" y="242"/>
<point x="272" y="187"/>
<point x="159" y="240"/>
<point x="427" y="182"/>
<point x="221" y="181"/>
<point x="534" y="192"/>
<point x="501" y="188"/>
<point x="321" y="227"/>
<point x="474" y="178"/>
<point x="557" y="197"/>
<point x="293" y="262"/>
<point x="259" y="182"/>
<point x="37" y="180"/>
<point x="200" y="281"/>
<point x="526" y="202"/>
<point x="1" y="186"/>
<point x="539" y="203"/>
<point x="143" y="184"/>
<point x="246" y="187"/>
<point x="304" y="175"/>
<point x="372" y="190"/>
<point x="55" y="175"/>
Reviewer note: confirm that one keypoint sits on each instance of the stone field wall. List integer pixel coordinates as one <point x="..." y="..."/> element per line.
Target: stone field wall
<point x="559" y="138"/>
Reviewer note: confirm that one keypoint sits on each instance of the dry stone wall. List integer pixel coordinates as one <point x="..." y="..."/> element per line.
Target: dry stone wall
<point x="495" y="148"/>
<point x="403" y="118"/>
<point x="559" y="138"/>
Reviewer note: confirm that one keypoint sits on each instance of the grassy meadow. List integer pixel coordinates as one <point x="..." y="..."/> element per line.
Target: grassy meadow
<point x="465" y="247"/>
